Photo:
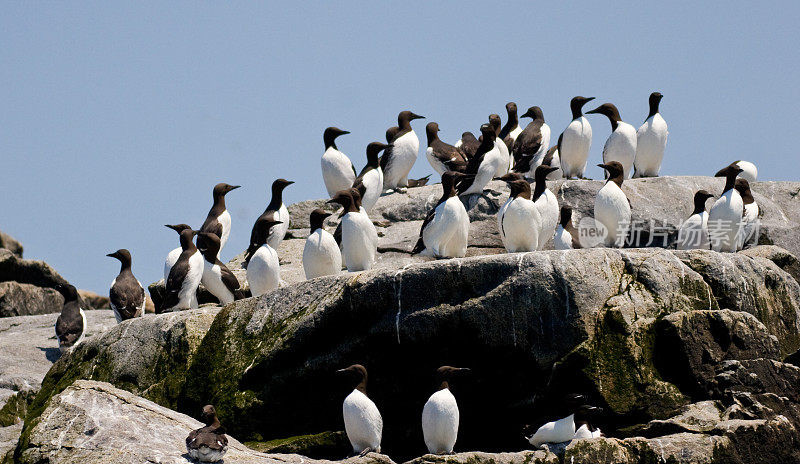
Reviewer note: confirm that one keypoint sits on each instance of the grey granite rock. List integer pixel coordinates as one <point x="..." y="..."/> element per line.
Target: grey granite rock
<point x="18" y="299"/>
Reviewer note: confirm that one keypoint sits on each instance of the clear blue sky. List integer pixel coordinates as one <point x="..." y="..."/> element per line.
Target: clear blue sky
<point x="119" y="117"/>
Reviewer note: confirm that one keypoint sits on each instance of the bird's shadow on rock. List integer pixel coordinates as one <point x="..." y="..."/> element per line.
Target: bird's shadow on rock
<point x="51" y="353"/>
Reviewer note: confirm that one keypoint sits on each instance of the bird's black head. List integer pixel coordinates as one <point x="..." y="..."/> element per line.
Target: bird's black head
<point x="534" y="112"/>
<point x="373" y="150"/>
<point x="566" y="216"/>
<point x="178" y="227"/>
<point x="608" y="110"/>
<point x="446" y="374"/>
<point x="221" y="189"/>
<point x="123" y="255"/>
<point x="69" y="292"/>
<point x="209" y="415"/>
<point x="494" y="121"/>
<point x="406" y="117"/>
<point x="731" y="170"/>
<point x="540" y="175"/>
<point x="511" y="108"/>
<point x="344" y="198"/>
<point x="356" y="375"/>
<point x="614" y="169"/>
<point x="704" y="195"/>
<point x="317" y="218"/>
<point x="576" y="105"/>
<point x="211" y="244"/>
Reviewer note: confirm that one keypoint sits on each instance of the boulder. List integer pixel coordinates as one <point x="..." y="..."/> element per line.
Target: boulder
<point x="18" y="299"/>
<point x="95" y="300"/>
<point x="477" y="457"/>
<point x="95" y="422"/>
<point x="27" y="271"/>
<point x="9" y="436"/>
<point x="11" y="244"/>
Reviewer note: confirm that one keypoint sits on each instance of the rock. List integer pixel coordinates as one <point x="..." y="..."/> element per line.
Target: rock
<point x="677" y="448"/>
<point x="27" y="271"/>
<point x="313" y="446"/>
<point x="700" y="417"/>
<point x="18" y="299"/>
<point x="29" y="348"/>
<point x="782" y="258"/>
<point x="9" y="436"/>
<point x="689" y="346"/>
<point x="95" y="422"/>
<point x="11" y="244"/>
<point x="477" y="457"/>
<point x="758" y="376"/>
<point x="95" y="301"/>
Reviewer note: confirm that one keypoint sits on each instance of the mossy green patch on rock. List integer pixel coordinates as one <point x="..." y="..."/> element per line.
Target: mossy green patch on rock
<point x="317" y="446"/>
<point x="15" y="408"/>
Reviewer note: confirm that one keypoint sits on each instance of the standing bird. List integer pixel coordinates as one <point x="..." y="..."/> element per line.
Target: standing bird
<point x="126" y="295"/>
<point x="693" y="233"/>
<point x="532" y="142"/>
<point x="748" y="235"/>
<point x="725" y="217"/>
<point x="611" y="207"/>
<point x="405" y="148"/>
<point x="484" y="166"/>
<point x="561" y="430"/>
<point x="276" y="211"/>
<point x="217" y="278"/>
<point x="371" y="176"/>
<point x="359" y="237"/>
<point x="621" y="144"/>
<point x="518" y="219"/>
<point x="263" y="268"/>
<point x="209" y="443"/>
<point x="511" y="130"/>
<point x="321" y="254"/>
<point x="547" y="204"/>
<point x="440" y="414"/>
<point x="338" y="171"/>
<point x="184" y="277"/>
<point x="218" y="221"/>
<point x="172" y="256"/>
<point x="567" y="236"/>
<point x="362" y="420"/>
<point x="468" y="145"/>
<point x="651" y="140"/>
<point x="71" y="324"/>
<point x="445" y="229"/>
<point x="442" y="156"/>
<point x="749" y="170"/>
<point x="553" y="159"/>
<point x="575" y="141"/>
<point x="494" y="122"/>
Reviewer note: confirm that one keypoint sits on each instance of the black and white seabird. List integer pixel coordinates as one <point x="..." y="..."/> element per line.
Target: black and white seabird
<point x="276" y="210"/>
<point x="359" y="236"/>
<point x="651" y="140"/>
<point x="621" y="144"/>
<point x="217" y="278"/>
<point x="547" y="204"/>
<point x="362" y="420"/>
<point x="533" y="141"/>
<point x="184" y="277"/>
<point x="567" y="236"/>
<point x="440" y="415"/>
<point x="575" y="141"/>
<point x="552" y="158"/>
<point x="511" y="129"/>
<point x="321" y="254"/>
<point x="263" y="267"/>
<point x="209" y="443"/>
<point x="518" y="220"/>
<point x="611" y="207"/>
<point x="71" y="324"/>
<point x="749" y="170"/>
<point x="725" y="216"/>
<point x="218" y="221"/>
<point x="468" y="145"/>
<point x="442" y="156"/>
<point x="693" y="233"/>
<point x="494" y="121"/>
<point x="371" y="177"/>
<point x="445" y="229"/>
<point x="126" y="295"/>
<point x="563" y="429"/>
<point x="748" y="234"/>
<point x="338" y="171"/>
<point x="405" y="148"/>
<point x="482" y="167"/>
<point x="173" y="255"/>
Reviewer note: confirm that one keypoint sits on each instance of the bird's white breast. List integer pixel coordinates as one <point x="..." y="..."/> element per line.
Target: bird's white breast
<point x="172" y="258"/>
<point x="446" y="235"/>
<point x="321" y="255"/>
<point x="520" y="223"/>
<point x="547" y="204"/>
<point x="621" y="146"/>
<point x="362" y="422"/>
<point x="693" y="233"/>
<point x="263" y="271"/>
<point x="651" y="140"/>
<point x="278" y="231"/>
<point x="373" y="181"/>
<point x="724" y="221"/>
<point x="212" y="281"/>
<point x="359" y="241"/>
<point x="493" y="161"/>
<point x="337" y="171"/>
<point x="554" y="432"/>
<point x="225" y="220"/>
<point x="515" y="133"/>
<point x="404" y="154"/>
<point x="575" y="146"/>
<point x="440" y="418"/>
<point x="611" y="208"/>
<point x="504" y="167"/>
<point x="562" y="240"/>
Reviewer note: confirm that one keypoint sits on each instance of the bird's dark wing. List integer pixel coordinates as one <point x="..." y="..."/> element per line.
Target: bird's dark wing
<point x="127" y="296"/>
<point x="420" y="246"/>
<point x="69" y="325"/>
<point x="337" y="234"/>
<point x="529" y="140"/>
<point x="230" y="280"/>
<point x="212" y="226"/>
<point x="449" y="155"/>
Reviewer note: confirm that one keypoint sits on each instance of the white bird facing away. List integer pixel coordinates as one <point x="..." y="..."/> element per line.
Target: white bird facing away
<point x="651" y="140"/>
<point x="403" y="155"/>
<point x="725" y="216"/>
<point x="184" y="277"/>
<point x="440" y="414"/>
<point x="275" y="211"/>
<point x="611" y="206"/>
<point x="359" y="237"/>
<point x="70" y="325"/>
<point x="748" y="234"/>
<point x="494" y="122"/>
<point x="338" y="171"/>
<point x="209" y="443"/>
<point x="371" y="177"/>
<point x="575" y="141"/>
<point x="126" y="296"/>
<point x="445" y="230"/>
<point x="511" y="129"/>
<point x="362" y="420"/>
<point x="218" y="221"/>
<point x="482" y="167"/>
<point x="172" y="257"/>
<point x="321" y="254"/>
<point x="217" y="278"/>
<point x="532" y="143"/>
<point x="518" y="220"/>
<point x="263" y="268"/>
<point x="583" y="432"/>
<point x="621" y="144"/>
<point x="547" y="204"/>
<point x="563" y="429"/>
<point x="693" y="233"/>
<point x="442" y="156"/>
<point x="566" y="236"/>
<point x="749" y="170"/>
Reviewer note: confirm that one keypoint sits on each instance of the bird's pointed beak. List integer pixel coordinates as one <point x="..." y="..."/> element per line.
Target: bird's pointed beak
<point x="345" y="132"/>
<point x="289" y="182"/>
<point x="112" y="255"/>
<point x="234" y="187"/>
<point x="588" y="99"/>
<point x="416" y="116"/>
<point x="594" y="111"/>
<point x="602" y="166"/>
